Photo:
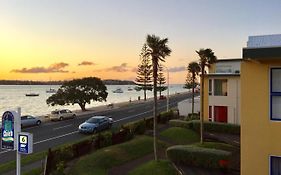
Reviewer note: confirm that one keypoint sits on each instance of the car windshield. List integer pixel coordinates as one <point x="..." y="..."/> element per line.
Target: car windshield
<point x="93" y="120"/>
<point x="54" y="112"/>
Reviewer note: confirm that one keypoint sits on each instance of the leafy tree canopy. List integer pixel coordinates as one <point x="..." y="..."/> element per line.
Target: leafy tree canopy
<point x="80" y="91"/>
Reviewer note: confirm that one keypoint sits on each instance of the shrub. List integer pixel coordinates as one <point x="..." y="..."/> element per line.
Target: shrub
<point x="105" y="139"/>
<point x="164" y="117"/>
<point x="195" y="116"/>
<point x="208" y="126"/>
<point x="137" y="127"/>
<point x="199" y="156"/>
<point x="181" y="123"/>
<point x="217" y="127"/>
<point x="149" y="123"/>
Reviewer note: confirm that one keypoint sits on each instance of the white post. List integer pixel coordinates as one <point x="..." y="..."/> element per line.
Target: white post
<point x="17" y="135"/>
<point x="167" y="89"/>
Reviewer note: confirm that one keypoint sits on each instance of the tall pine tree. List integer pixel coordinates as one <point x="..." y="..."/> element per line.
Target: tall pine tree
<point x="161" y="80"/>
<point x="144" y="72"/>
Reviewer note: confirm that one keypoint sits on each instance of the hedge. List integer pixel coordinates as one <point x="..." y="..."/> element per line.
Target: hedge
<point x="198" y="156"/>
<point x="208" y="126"/>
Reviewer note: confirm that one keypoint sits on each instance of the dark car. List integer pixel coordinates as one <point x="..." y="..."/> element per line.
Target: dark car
<point x="29" y="120"/>
<point x="96" y="124"/>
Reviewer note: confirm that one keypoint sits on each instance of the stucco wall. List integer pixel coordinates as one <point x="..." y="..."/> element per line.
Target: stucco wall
<point x="260" y="137"/>
<point x="232" y="100"/>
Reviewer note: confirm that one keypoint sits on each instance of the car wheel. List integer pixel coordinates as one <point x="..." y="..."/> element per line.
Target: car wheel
<point x="61" y="118"/>
<point x="38" y="123"/>
<point x="21" y="126"/>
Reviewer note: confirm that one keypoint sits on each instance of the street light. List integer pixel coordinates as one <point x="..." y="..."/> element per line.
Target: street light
<point x="167" y="87"/>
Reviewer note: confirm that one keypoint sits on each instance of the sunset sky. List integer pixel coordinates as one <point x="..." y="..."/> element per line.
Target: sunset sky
<point x="66" y="39"/>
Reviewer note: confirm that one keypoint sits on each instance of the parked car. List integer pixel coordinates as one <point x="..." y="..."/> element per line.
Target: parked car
<point x="162" y="97"/>
<point x="96" y="124"/>
<point x="61" y="114"/>
<point x="29" y="120"/>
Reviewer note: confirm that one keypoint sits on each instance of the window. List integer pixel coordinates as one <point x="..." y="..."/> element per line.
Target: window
<point x="275" y="94"/>
<point x="275" y="165"/>
<point x="210" y="87"/>
<point x="210" y="113"/>
<point x="220" y="87"/>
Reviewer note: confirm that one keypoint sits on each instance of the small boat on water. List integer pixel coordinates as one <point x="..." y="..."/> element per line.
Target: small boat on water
<point x="118" y="90"/>
<point x="130" y="89"/>
<point x="32" y="95"/>
<point x="51" y="90"/>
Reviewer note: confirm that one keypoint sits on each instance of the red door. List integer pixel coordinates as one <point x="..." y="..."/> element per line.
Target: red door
<point x="220" y="114"/>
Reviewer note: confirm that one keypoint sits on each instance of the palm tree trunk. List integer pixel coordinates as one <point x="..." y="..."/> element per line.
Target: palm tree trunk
<point x="155" y="110"/>
<point x="144" y="91"/>
<point x="202" y="107"/>
<point x="192" y="107"/>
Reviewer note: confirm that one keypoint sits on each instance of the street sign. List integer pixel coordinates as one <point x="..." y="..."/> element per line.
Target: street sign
<point x="10" y="126"/>
<point x="25" y="145"/>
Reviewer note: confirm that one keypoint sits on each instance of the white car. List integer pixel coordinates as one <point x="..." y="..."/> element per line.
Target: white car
<point x="61" y="114"/>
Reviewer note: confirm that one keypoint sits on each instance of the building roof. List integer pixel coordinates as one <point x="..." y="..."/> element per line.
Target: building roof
<point x="262" y="53"/>
<point x="229" y="59"/>
<point x="222" y="74"/>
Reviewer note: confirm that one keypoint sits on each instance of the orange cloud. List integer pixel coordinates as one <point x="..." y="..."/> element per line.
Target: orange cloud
<point x="86" y="63"/>
<point x="57" y="67"/>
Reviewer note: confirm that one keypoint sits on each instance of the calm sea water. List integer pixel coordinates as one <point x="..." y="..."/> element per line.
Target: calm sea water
<point x="13" y="96"/>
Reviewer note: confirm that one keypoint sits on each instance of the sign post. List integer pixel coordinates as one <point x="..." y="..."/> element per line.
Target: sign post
<point x="18" y="124"/>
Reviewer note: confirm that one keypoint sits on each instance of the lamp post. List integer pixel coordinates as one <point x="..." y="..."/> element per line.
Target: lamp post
<point x="167" y="87"/>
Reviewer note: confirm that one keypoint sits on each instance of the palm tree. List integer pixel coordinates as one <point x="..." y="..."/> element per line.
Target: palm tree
<point x="207" y="57"/>
<point x="194" y="69"/>
<point x="157" y="51"/>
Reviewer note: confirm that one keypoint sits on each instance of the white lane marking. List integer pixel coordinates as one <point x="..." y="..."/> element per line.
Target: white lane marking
<point x="132" y="116"/>
<point x="62" y="127"/>
<point x="49" y="139"/>
<point x="57" y="137"/>
<point x="2" y="152"/>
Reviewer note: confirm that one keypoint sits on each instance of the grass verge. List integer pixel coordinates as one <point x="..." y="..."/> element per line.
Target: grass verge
<point x="100" y="161"/>
<point x="5" y="167"/>
<point x="180" y="135"/>
<point x="162" y="167"/>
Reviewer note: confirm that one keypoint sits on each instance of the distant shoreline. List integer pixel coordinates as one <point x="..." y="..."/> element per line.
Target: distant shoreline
<point x="25" y="82"/>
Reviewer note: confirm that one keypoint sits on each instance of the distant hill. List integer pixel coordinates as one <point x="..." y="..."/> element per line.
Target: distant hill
<point x="20" y="82"/>
<point x="118" y="82"/>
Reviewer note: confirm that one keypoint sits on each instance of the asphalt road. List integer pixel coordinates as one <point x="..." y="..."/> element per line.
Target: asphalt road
<point x="51" y="134"/>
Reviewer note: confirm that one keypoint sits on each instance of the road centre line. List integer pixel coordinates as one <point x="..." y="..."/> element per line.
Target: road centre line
<point x="57" y="137"/>
<point x="49" y="139"/>
<point x="62" y="127"/>
<point x="74" y="132"/>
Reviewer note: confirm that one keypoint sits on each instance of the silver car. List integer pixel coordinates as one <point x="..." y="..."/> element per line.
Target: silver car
<point x="61" y="114"/>
<point x="28" y="120"/>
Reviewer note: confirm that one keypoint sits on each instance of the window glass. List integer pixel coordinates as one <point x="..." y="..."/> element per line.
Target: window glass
<point x="276" y="80"/>
<point x="276" y="107"/>
<point x="210" y="87"/>
<point x="275" y="165"/>
<point x="220" y="87"/>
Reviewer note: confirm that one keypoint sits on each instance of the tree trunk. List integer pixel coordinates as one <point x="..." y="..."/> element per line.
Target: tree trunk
<point x="82" y="106"/>
<point x="155" y="109"/>
<point x="144" y="91"/>
<point x="202" y="106"/>
<point x="192" y="107"/>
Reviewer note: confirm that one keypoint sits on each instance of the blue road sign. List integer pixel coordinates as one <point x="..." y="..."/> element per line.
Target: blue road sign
<point x="25" y="143"/>
<point x="8" y="131"/>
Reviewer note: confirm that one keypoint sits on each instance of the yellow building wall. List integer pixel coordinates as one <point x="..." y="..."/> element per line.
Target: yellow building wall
<point x="260" y="137"/>
<point x="206" y="98"/>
